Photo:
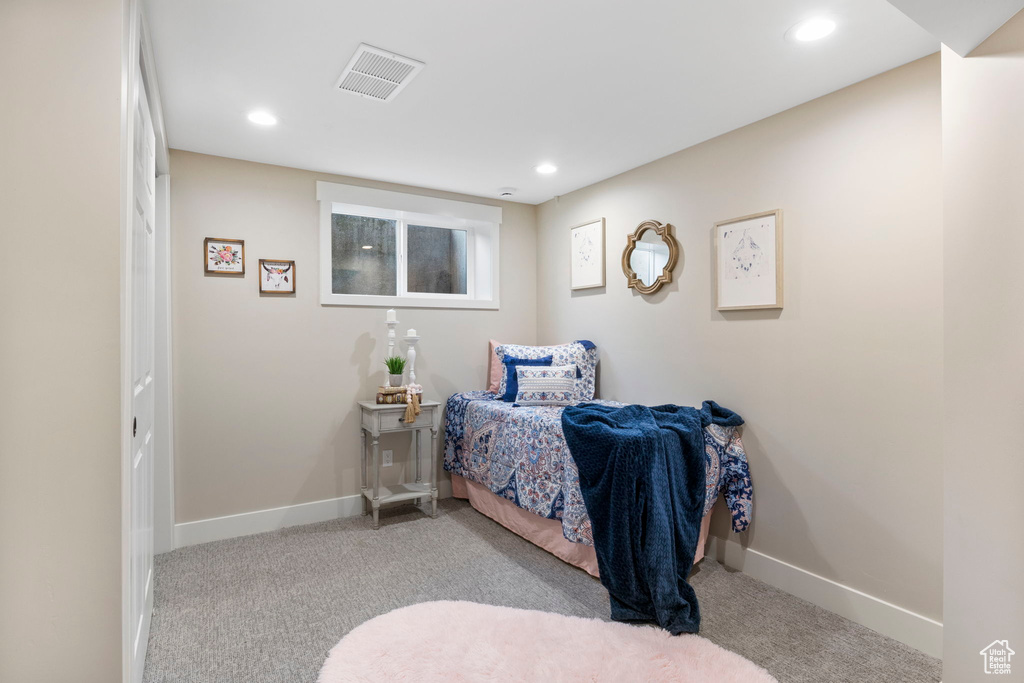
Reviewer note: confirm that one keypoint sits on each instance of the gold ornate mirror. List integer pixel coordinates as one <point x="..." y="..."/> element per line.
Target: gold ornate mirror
<point x="651" y="254"/>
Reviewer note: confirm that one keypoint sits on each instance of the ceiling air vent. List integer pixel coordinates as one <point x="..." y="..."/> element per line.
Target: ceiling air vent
<point x="378" y="74"/>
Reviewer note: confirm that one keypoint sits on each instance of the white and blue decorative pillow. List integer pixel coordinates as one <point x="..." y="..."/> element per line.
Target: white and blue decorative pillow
<point x="546" y="386"/>
<point x="510" y="380"/>
<point x="582" y="354"/>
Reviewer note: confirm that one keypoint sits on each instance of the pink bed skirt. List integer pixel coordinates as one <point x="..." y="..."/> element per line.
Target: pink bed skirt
<point x="547" y="533"/>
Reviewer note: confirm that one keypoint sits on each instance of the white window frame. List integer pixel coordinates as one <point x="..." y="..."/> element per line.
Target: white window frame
<point x="481" y="223"/>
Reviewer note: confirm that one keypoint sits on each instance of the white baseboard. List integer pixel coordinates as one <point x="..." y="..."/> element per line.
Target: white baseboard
<point x="915" y="630"/>
<point x="260" y="521"/>
<point x="247" y="523"/>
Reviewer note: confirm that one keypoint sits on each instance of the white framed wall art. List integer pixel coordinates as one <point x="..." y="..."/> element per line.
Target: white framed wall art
<point x="748" y="262"/>
<point x="587" y="252"/>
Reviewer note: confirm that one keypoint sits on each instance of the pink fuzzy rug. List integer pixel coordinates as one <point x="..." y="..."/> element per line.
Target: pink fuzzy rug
<point x="465" y="641"/>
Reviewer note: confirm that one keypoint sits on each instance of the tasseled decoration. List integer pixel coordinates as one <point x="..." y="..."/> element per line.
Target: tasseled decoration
<point x="412" y="402"/>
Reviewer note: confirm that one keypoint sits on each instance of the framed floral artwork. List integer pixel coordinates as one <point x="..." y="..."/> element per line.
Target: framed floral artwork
<point x="224" y="256"/>
<point x="587" y="251"/>
<point x="277" y="277"/>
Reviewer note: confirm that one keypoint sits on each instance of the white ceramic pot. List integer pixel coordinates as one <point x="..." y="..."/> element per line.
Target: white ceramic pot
<point x="396" y="380"/>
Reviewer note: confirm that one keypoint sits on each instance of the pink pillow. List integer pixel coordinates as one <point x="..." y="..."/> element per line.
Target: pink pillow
<point x="494" y="368"/>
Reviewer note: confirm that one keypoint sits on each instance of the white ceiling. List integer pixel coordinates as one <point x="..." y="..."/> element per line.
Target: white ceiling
<point x="961" y="24"/>
<point x="596" y="87"/>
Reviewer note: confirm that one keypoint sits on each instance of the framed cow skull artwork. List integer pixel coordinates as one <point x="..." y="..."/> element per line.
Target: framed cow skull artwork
<point x="277" y="277"/>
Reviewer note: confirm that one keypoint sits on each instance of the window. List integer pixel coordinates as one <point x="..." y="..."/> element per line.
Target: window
<point x="364" y="255"/>
<point x="381" y="248"/>
<point x="437" y="260"/>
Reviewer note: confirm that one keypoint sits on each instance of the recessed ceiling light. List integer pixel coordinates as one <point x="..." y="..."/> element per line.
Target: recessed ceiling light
<point x="262" y="118"/>
<point x="367" y="246"/>
<point x="812" y="29"/>
<point x="546" y="168"/>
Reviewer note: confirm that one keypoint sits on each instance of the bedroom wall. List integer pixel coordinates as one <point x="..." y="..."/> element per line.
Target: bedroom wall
<point x="266" y="387"/>
<point x="983" y="148"/>
<point x="841" y="390"/>
<point x="60" y="415"/>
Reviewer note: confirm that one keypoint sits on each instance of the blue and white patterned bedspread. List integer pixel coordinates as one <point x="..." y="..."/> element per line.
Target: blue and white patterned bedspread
<point x="520" y="454"/>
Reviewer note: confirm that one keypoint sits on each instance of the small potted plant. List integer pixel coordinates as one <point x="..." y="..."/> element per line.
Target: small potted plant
<point x="396" y="366"/>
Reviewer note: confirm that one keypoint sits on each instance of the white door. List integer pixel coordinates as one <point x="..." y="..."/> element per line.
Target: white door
<point x="141" y="294"/>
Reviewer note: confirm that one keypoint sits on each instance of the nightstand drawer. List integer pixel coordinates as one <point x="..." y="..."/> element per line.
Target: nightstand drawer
<point x="396" y="420"/>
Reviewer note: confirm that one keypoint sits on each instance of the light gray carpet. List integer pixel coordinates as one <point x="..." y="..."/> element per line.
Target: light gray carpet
<point x="268" y="608"/>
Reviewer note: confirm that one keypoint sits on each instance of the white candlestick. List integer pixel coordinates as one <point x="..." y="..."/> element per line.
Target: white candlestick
<point x="392" y="324"/>
<point x="411" y="356"/>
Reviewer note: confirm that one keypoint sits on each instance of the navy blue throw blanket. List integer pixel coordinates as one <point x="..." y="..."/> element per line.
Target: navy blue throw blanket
<point x="642" y="473"/>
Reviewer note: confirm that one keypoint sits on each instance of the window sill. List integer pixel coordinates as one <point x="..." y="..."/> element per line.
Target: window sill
<point x="407" y="302"/>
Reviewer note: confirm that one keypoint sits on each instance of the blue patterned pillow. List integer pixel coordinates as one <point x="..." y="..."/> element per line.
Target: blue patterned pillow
<point x="582" y="354"/>
<point x="510" y="381"/>
<point x="546" y="386"/>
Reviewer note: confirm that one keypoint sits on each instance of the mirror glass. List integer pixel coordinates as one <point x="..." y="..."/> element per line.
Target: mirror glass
<point x="649" y="258"/>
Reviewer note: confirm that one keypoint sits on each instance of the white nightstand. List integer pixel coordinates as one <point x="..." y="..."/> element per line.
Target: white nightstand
<point x="377" y="419"/>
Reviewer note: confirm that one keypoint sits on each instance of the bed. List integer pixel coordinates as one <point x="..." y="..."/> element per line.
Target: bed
<point x="512" y="464"/>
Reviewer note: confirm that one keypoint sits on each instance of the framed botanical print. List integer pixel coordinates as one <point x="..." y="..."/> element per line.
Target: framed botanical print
<point x="587" y="251"/>
<point x="748" y="262"/>
<point x="224" y="256"/>
<point x="277" y="277"/>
